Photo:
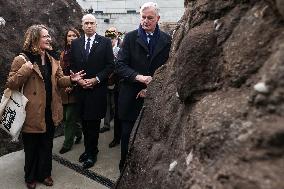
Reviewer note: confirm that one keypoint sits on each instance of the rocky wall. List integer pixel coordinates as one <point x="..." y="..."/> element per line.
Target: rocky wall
<point x="214" y="113"/>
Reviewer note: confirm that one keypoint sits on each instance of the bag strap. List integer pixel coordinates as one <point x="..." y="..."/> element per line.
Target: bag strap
<point x="26" y="59"/>
<point x="24" y="56"/>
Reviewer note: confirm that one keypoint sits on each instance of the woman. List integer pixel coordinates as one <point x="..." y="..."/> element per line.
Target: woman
<point x="70" y="114"/>
<point x="41" y="76"/>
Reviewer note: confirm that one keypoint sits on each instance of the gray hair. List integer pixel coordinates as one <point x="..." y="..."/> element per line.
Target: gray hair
<point x="150" y="5"/>
<point x="88" y="16"/>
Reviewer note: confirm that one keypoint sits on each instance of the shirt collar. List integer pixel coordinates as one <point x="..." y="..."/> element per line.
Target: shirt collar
<point x="92" y="38"/>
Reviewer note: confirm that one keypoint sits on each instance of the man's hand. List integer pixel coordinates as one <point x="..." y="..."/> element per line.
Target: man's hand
<point x="81" y="82"/>
<point x="142" y="93"/>
<point x="143" y="79"/>
<point x="88" y="83"/>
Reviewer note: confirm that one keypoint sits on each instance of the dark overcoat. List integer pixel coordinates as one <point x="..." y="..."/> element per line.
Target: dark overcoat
<point x="92" y="102"/>
<point x="134" y="59"/>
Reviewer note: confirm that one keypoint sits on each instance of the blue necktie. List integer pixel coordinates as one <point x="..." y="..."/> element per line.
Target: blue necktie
<point x="88" y="47"/>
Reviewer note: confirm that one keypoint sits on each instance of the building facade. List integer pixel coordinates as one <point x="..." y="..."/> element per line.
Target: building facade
<point x="124" y="14"/>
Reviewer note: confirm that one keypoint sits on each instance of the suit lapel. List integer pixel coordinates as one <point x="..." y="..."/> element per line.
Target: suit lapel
<point x="140" y="41"/>
<point x="95" y="44"/>
<point x="37" y="70"/>
<point x="82" y="47"/>
<point x="54" y="68"/>
<point x="54" y="65"/>
<point x="161" y="43"/>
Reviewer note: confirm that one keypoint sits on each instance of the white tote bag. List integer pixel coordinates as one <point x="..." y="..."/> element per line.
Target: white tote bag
<point x="12" y="112"/>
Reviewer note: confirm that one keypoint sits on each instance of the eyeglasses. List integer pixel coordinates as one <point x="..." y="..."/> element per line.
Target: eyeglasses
<point x="46" y="36"/>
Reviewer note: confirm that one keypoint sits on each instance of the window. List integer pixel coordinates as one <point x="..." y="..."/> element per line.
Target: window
<point x="131" y="11"/>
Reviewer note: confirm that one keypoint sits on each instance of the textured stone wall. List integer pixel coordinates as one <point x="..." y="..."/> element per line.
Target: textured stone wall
<point x="213" y="117"/>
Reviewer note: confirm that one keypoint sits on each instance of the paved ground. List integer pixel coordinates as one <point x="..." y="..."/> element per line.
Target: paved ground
<point x="67" y="172"/>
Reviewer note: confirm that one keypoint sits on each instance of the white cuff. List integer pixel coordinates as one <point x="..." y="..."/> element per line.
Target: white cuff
<point x="98" y="79"/>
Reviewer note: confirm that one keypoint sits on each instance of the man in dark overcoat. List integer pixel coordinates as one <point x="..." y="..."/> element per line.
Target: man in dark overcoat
<point x="93" y="54"/>
<point x="143" y="51"/>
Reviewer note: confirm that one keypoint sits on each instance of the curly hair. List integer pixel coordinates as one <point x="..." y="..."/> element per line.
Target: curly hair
<point x="32" y="37"/>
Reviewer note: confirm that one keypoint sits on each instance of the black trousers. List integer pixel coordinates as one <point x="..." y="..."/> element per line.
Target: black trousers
<point x="38" y="153"/>
<point x="110" y="108"/>
<point x="91" y="130"/>
<point x="126" y="128"/>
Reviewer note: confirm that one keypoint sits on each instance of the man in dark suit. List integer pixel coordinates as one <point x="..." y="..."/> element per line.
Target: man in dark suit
<point x="93" y="54"/>
<point x="113" y="89"/>
<point x="112" y="33"/>
<point x="143" y="51"/>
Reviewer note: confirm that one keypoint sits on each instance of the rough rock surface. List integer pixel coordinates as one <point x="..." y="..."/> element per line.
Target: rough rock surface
<point x="280" y="7"/>
<point x="58" y="15"/>
<point x="203" y="111"/>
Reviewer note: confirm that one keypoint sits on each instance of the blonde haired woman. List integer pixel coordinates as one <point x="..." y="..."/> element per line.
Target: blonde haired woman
<point x="41" y="76"/>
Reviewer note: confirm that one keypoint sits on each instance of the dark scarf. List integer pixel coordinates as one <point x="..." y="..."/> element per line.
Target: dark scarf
<point x="153" y="39"/>
<point x="45" y="72"/>
<point x="34" y="58"/>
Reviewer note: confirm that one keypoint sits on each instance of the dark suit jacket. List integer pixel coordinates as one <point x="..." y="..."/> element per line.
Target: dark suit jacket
<point x="133" y="59"/>
<point x="92" y="102"/>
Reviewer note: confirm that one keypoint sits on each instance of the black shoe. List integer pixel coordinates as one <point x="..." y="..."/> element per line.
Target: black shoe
<point x="104" y="129"/>
<point x="83" y="157"/>
<point x="113" y="143"/>
<point x="78" y="140"/>
<point x="63" y="150"/>
<point x="89" y="163"/>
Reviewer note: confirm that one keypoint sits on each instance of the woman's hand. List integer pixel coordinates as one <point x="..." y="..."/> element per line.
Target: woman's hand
<point x="75" y="77"/>
<point x="68" y="90"/>
<point x="29" y="64"/>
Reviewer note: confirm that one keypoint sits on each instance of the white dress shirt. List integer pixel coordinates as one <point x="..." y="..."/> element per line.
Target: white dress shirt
<point x="91" y="44"/>
<point x="92" y="40"/>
